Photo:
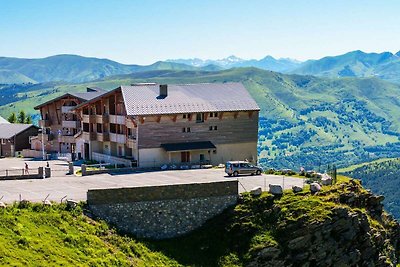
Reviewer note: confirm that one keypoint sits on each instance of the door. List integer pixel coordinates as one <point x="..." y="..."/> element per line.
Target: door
<point x="86" y="148"/>
<point x="185" y="156"/>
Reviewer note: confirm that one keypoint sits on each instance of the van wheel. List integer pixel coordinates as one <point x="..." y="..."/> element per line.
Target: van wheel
<point x="229" y="174"/>
<point x="235" y="173"/>
<point x="258" y="172"/>
<point x="252" y="174"/>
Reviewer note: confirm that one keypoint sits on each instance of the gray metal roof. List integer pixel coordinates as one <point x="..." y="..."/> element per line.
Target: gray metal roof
<point x="187" y="98"/>
<point x="8" y="130"/>
<point x="82" y="96"/>
<point x="2" y="120"/>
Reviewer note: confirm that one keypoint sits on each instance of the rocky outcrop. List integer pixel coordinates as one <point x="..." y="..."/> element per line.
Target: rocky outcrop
<point x="357" y="232"/>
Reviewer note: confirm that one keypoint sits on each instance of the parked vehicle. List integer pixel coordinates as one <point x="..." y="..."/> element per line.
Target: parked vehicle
<point x="241" y="167"/>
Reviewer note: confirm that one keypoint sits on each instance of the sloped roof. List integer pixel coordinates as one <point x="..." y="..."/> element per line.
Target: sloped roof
<point x="2" y="120"/>
<point x="187" y="98"/>
<point x="82" y="96"/>
<point x="8" y="130"/>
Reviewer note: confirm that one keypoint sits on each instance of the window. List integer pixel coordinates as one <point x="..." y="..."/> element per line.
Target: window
<point x="3" y="141"/>
<point x="214" y="151"/>
<point x="215" y="114"/>
<point x="210" y="128"/>
<point x="86" y="127"/>
<point x="183" y="130"/>
<point x="184" y="116"/>
<point x="211" y="114"/>
<point x="199" y="117"/>
<point x="188" y="129"/>
<point x="113" y="128"/>
<point x="215" y="128"/>
<point x="99" y="128"/>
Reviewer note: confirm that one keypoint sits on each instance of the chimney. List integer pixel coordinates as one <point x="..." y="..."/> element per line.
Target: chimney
<point x="163" y="90"/>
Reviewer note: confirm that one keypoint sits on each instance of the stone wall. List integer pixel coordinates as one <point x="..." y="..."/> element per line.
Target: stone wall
<point x="159" y="212"/>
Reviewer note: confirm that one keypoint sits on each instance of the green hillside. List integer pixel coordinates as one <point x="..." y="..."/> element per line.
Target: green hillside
<point x="354" y="64"/>
<point x="304" y="120"/>
<point x="382" y="177"/>
<point x="9" y="77"/>
<point x="326" y="229"/>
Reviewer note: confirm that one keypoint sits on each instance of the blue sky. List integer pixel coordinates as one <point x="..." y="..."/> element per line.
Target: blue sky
<point x="143" y="32"/>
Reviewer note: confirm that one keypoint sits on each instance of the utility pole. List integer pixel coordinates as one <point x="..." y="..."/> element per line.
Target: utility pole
<point x="44" y="157"/>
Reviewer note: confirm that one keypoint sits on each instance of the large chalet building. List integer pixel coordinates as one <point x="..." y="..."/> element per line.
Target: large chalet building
<point x="149" y="125"/>
<point x="59" y="123"/>
<point x="154" y="124"/>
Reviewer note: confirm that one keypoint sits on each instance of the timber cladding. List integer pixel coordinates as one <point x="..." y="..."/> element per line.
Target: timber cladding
<point x="163" y="192"/>
<point x="232" y="127"/>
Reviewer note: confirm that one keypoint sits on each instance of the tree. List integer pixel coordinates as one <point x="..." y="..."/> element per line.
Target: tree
<point x="12" y="118"/>
<point x="21" y="117"/>
<point x="28" y="119"/>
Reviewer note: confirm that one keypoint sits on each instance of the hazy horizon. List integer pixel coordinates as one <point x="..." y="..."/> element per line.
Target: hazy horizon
<point x="134" y="32"/>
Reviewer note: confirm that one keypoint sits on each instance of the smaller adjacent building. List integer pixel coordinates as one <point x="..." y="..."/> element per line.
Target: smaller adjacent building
<point x="15" y="137"/>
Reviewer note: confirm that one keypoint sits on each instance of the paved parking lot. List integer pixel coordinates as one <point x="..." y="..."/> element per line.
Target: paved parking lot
<point x="74" y="187"/>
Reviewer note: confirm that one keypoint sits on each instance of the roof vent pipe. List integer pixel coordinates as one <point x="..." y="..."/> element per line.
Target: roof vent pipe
<point x="163" y="90"/>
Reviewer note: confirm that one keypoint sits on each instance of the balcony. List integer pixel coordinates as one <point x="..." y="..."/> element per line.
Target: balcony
<point x="66" y="109"/>
<point x="44" y="123"/>
<point x="66" y="139"/>
<point x="102" y="118"/>
<point x="117" y="138"/>
<point x="89" y="136"/>
<point x="70" y="124"/>
<point x="89" y="118"/>
<point x="46" y="137"/>
<point x="131" y="141"/>
<point x="117" y="119"/>
<point x="103" y="137"/>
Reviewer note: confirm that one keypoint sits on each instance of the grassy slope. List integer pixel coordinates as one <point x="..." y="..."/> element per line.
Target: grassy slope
<point x="330" y="120"/>
<point x="36" y="235"/>
<point x="53" y="236"/>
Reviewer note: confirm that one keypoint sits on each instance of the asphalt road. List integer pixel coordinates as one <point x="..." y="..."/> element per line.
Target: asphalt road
<point x="75" y="187"/>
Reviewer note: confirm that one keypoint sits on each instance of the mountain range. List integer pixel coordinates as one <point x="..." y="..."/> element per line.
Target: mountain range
<point x="73" y="68"/>
<point x="266" y="63"/>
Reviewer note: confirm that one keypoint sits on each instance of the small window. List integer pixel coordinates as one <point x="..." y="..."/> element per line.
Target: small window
<point x="210" y="128"/>
<point x="183" y="130"/>
<point x="214" y="151"/>
<point x="184" y="116"/>
<point x="188" y="129"/>
<point x="199" y="117"/>
<point x="215" y="128"/>
<point x="3" y="141"/>
<point x="211" y="114"/>
<point x="215" y="114"/>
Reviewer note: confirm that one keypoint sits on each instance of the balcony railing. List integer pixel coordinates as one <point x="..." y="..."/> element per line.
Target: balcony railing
<point x="103" y="137"/>
<point x="89" y="136"/>
<point x="117" y="119"/>
<point x="131" y="141"/>
<point x="117" y="138"/>
<point x="70" y="124"/>
<point x="46" y="137"/>
<point x="89" y="118"/>
<point x="102" y="118"/>
<point x="44" y="123"/>
<point x="66" y="139"/>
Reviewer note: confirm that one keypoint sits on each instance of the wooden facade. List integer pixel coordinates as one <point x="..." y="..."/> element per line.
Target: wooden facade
<point x="107" y="129"/>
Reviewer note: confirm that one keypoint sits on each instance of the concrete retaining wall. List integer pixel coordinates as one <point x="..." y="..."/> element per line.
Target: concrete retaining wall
<point x="159" y="212"/>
